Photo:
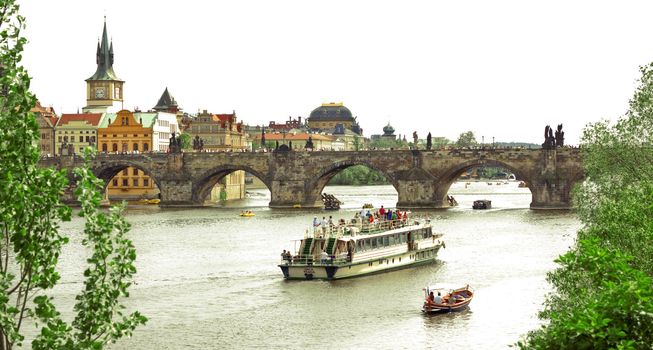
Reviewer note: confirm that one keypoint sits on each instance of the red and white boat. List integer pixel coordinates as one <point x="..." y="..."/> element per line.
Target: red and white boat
<point x="446" y="299"/>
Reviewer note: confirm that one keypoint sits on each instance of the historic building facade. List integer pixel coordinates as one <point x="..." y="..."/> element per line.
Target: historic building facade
<point x="129" y="132"/>
<point x="104" y="90"/>
<point x="329" y="115"/>
<point x="47" y="119"/>
<point x="222" y="133"/>
<point x="74" y="132"/>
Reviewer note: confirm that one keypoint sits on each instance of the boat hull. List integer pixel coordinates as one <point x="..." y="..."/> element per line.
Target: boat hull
<point x="360" y="268"/>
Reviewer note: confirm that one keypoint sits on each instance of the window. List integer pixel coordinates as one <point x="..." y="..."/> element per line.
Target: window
<point x="104" y="147"/>
<point x="125" y="171"/>
<point x="135" y="135"/>
<point x="114" y="147"/>
<point x="65" y="139"/>
<point x="125" y="183"/>
<point x="392" y="240"/>
<point x="88" y="139"/>
<point x="373" y="242"/>
<point x="386" y="241"/>
<point x="115" y="182"/>
<point x="145" y="147"/>
<point x="135" y="146"/>
<point x="135" y="181"/>
<point x="81" y="139"/>
<point x="124" y="147"/>
<point x="135" y="171"/>
<point x="60" y="138"/>
<point x="146" y="182"/>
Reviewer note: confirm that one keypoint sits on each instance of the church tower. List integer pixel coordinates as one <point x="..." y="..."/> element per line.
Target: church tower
<point x="104" y="89"/>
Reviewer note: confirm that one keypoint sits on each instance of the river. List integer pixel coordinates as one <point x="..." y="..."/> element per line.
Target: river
<point x="207" y="278"/>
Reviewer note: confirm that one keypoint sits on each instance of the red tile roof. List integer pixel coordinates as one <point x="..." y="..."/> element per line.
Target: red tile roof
<point x="91" y="118"/>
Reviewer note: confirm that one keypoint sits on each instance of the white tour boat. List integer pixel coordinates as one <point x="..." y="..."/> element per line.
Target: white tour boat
<point x="361" y="248"/>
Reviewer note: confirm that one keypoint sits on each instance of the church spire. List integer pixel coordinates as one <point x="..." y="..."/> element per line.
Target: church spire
<point x="104" y="58"/>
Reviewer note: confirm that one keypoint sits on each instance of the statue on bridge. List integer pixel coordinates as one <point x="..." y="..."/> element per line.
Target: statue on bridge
<point x="414" y="139"/>
<point x="550" y="141"/>
<point x="428" y="141"/>
<point x="175" y="144"/>
<point x="560" y="136"/>
<point x="198" y="143"/>
<point x="309" y="143"/>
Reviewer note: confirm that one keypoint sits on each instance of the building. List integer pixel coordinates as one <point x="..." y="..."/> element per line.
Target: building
<point x="297" y="141"/>
<point x="388" y="134"/>
<point x="287" y="125"/>
<point x="222" y="133"/>
<point x="329" y="115"/>
<point x="166" y="103"/>
<point x="129" y="132"/>
<point x="74" y="132"/>
<point x="47" y="119"/>
<point x="104" y="90"/>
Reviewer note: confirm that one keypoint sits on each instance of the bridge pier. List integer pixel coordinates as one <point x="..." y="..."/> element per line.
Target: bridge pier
<point x="177" y="193"/>
<point x="551" y="195"/>
<point x="418" y="194"/>
<point x="292" y="193"/>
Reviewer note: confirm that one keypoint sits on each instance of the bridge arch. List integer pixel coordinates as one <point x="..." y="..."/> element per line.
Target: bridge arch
<point x="323" y="176"/>
<point x="108" y="171"/>
<point x="204" y="183"/>
<point x="449" y="176"/>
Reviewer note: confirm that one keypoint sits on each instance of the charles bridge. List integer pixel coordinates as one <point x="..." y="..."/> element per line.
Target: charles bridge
<point x="421" y="178"/>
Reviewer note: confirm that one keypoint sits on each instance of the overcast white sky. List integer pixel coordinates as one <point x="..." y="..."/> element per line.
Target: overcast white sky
<point x="502" y="69"/>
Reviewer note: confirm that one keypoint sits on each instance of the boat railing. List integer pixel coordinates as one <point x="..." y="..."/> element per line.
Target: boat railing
<point x="340" y="230"/>
<point x="309" y="260"/>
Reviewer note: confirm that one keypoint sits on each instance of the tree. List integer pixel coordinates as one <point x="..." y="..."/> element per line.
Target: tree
<point x="30" y="213"/>
<point x="185" y="141"/>
<point x="604" y="295"/>
<point x="466" y="139"/>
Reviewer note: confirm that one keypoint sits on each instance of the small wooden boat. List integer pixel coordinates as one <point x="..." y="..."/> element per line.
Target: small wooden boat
<point x="368" y="206"/>
<point x="450" y="299"/>
<point x="482" y="204"/>
<point x="247" y="214"/>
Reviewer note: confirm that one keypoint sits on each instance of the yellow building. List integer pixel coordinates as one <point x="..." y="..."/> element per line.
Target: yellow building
<point x="125" y="133"/>
<point x="74" y="132"/>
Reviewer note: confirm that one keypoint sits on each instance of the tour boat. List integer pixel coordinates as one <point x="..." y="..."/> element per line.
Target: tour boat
<point x="361" y="248"/>
<point x="451" y="299"/>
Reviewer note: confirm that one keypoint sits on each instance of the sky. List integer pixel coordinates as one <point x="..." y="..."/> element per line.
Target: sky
<point x="502" y="69"/>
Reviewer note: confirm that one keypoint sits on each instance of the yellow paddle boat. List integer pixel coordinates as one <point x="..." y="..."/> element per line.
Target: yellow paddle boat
<point x="247" y="214"/>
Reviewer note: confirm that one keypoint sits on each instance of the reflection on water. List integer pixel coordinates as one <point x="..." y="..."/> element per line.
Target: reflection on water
<point x="207" y="278"/>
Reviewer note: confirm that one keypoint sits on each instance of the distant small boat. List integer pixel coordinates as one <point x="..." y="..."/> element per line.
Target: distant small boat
<point x="450" y="299"/>
<point x="297" y="206"/>
<point x="482" y="204"/>
<point x="489" y="183"/>
<point x="247" y="214"/>
<point x="150" y="201"/>
<point x="368" y="206"/>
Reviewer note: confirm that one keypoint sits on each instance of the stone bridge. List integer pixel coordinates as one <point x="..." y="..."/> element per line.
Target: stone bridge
<point x="421" y="178"/>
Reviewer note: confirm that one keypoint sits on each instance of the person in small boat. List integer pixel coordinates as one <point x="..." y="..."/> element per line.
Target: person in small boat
<point x="437" y="299"/>
<point x="431" y="297"/>
<point x="452" y="299"/>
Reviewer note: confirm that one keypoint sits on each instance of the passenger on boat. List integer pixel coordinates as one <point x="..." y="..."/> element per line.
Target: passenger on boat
<point x="438" y="299"/>
<point x="431" y="297"/>
<point x="371" y="219"/>
<point x="315" y="222"/>
<point x="382" y="211"/>
<point x="324" y="257"/>
<point x="323" y="223"/>
<point x="288" y="257"/>
<point x="283" y="255"/>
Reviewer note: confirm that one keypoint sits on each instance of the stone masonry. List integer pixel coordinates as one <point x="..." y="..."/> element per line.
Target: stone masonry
<point x="421" y="178"/>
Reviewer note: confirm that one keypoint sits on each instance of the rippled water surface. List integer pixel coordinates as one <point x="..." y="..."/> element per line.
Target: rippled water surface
<point x="207" y="278"/>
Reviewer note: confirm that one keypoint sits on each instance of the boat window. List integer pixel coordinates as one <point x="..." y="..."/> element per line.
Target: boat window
<point x="379" y="241"/>
<point x="367" y="244"/>
<point x="373" y="243"/>
<point x="403" y="238"/>
<point x="359" y="246"/>
<point x="428" y="233"/>
<point x="392" y="240"/>
<point x="386" y="241"/>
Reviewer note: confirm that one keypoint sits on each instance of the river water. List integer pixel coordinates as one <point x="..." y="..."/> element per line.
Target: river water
<point x="207" y="278"/>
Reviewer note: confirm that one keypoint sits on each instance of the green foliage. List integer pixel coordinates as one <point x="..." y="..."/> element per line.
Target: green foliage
<point x="186" y="142"/>
<point x="602" y="302"/>
<point x="604" y="284"/>
<point x="30" y="213"/>
<point x="358" y="175"/>
<point x="466" y="139"/>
